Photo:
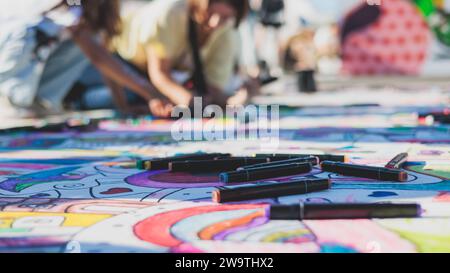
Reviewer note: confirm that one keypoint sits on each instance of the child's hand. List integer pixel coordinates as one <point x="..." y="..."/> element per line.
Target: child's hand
<point x="253" y="87"/>
<point x="160" y="108"/>
<point x="241" y="98"/>
<point x="248" y="90"/>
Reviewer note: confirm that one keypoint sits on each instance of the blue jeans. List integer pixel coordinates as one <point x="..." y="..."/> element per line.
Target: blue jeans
<point x="97" y="95"/>
<point x="44" y="85"/>
<point x="62" y="70"/>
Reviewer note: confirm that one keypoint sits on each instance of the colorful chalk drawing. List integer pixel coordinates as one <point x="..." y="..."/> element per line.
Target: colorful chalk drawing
<point x="34" y="142"/>
<point x="80" y="192"/>
<point x="47" y="230"/>
<point x="155" y="125"/>
<point x="429" y="235"/>
<point x="23" y="182"/>
<point x="402" y="134"/>
<point x="194" y="227"/>
<point x="48" y="225"/>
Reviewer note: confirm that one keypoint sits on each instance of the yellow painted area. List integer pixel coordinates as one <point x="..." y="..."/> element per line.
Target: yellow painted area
<point x="6" y="222"/>
<point x="437" y="167"/>
<point x="71" y="219"/>
<point x="282" y="235"/>
<point x="430" y="235"/>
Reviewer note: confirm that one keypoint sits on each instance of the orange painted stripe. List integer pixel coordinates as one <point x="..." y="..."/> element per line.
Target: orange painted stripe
<point x="209" y="232"/>
<point x="157" y="228"/>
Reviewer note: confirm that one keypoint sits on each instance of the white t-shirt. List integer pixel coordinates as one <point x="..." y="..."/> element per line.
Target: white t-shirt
<point x="25" y="9"/>
<point x="20" y="70"/>
<point x="60" y="20"/>
<point x="66" y="18"/>
<point x="29" y="12"/>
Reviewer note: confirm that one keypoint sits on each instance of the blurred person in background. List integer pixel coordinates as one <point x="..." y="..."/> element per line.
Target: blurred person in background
<point x="43" y="52"/>
<point x="270" y="18"/>
<point x="187" y="48"/>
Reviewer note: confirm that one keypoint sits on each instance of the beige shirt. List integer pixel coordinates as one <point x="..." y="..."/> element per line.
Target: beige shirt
<point x="163" y="26"/>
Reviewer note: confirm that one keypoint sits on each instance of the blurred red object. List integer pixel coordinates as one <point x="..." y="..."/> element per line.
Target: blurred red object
<point x="390" y="39"/>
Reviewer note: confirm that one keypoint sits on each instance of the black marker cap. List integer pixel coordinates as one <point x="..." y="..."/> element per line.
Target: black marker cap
<point x="283" y="212"/>
<point x="310" y="211"/>
<point x="322" y="157"/>
<point x="163" y="163"/>
<point x="216" y="165"/>
<point x="295" y="187"/>
<point x="310" y="159"/>
<point x="364" y="171"/>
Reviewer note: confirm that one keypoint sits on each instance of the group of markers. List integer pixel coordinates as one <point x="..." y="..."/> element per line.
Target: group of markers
<point x="239" y="170"/>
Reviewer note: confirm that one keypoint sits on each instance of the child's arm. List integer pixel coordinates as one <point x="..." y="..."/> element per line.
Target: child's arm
<point x="119" y="96"/>
<point x="159" y="71"/>
<point x="243" y="96"/>
<point x="109" y="66"/>
<point x="158" y="107"/>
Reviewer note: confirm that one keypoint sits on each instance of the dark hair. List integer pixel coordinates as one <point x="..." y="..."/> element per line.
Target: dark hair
<point x="240" y="6"/>
<point x="102" y="16"/>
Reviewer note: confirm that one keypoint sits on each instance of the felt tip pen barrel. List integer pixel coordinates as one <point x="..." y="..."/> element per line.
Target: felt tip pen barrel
<point x="295" y="187"/>
<point x="370" y="172"/>
<point x="219" y="165"/>
<point x="265" y="173"/>
<point x="308" y="211"/>
<point x="398" y="161"/>
<point x="323" y="157"/>
<point x="241" y="158"/>
<point x="310" y="159"/>
<point x="163" y="163"/>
